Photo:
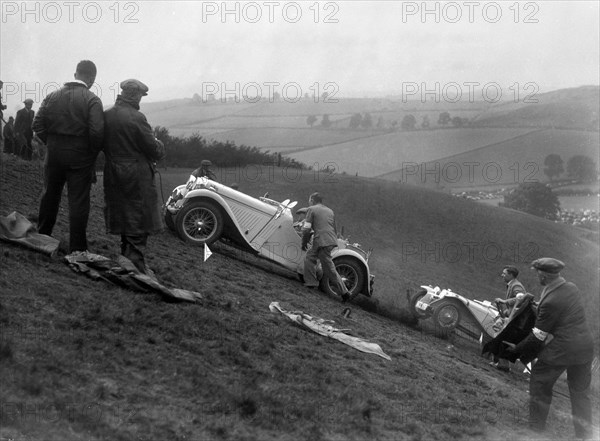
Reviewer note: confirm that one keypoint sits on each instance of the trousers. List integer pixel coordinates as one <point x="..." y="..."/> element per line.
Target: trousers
<point x="133" y="248"/>
<point x="543" y="378"/>
<point x="79" y="183"/>
<point x="323" y="254"/>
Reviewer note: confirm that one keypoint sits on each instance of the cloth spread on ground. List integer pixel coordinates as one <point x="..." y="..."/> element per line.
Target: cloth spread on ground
<point x="16" y="228"/>
<point x="123" y="272"/>
<point x="321" y="326"/>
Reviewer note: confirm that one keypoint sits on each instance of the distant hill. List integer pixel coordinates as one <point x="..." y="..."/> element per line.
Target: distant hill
<point x="507" y="163"/>
<point x="576" y="108"/>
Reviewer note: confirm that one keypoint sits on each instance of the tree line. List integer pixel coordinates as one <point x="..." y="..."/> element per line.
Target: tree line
<point x="366" y="121"/>
<point x="579" y="167"/>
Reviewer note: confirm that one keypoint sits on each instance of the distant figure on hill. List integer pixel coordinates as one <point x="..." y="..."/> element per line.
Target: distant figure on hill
<point x="23" y="131"/>
<point x="132" y="205"/>
<point x="8" y="132"/>
<point x="70" y="122"/>
<point x="205" y="171"/>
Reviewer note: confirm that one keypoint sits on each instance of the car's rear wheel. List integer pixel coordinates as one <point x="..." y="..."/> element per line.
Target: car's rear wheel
<point x="446" y="316"/>
<point x="199" y="223"/>
<point x="412" y="304"/>
<point x="352" y="273"/>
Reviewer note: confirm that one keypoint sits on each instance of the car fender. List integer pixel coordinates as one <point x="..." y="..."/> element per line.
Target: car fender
<point x="203" y="193"/>
<point x="339" y="252"/>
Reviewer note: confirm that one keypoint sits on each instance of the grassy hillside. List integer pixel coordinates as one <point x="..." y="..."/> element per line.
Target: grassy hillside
<point x="83" y="360"/>
<point x="388" y="152"/>
<point x="576" y="108"/>
<point x="508" y="162"/>
<point x="286" y="140"/>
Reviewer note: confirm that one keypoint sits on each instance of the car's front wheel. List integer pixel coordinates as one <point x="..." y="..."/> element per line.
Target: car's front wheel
<point x="412" y="304"/>
<point x="352" y="273"/>
<point x="199" y="223"/>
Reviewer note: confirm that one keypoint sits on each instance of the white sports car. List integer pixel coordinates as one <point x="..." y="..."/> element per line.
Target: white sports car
<point x="203" y="211"/>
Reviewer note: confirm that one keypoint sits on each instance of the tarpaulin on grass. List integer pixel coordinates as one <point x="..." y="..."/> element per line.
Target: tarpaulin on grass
<point x="16" y="228"/>
<point x="321" y="327"/>
<point x="123" y="273"/>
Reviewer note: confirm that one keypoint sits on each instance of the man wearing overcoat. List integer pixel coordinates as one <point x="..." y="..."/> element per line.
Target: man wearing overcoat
<point x="23" y="131"/>
<point x="132" y="206"/>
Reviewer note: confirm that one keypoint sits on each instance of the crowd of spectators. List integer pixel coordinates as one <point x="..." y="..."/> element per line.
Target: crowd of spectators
<point x="580" y="218"/>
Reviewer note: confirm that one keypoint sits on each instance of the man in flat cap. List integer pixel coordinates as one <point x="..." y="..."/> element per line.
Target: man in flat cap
<point x="70" y="122"/>
<point x="204" y="170"/>
<point x="23" y="131"/>
<point x="561" y="314"/>
<point x="132" y="206"/>
<point x="320" y="223"/>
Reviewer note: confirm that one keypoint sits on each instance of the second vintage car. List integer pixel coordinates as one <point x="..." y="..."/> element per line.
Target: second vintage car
<point x="203" y="211"/>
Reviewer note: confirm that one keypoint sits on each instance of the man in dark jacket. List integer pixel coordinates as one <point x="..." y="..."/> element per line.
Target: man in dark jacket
<point x="8" y="132"/>
<point x="561" y="314"/>
<point x="23" y="131"/>
<point x="320" y="220"/>
<point x="132" y="205"/>
<point x="71" y="123"/>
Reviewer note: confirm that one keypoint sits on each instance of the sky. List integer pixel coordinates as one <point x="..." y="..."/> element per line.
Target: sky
<point x="348" y="48"/>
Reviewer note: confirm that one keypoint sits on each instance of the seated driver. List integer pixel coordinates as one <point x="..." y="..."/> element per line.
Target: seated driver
<point x="513" y="287"/>
<point x="205" y="171"/>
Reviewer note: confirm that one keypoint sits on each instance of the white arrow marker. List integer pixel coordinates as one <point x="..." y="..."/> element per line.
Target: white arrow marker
<point x="207" y="252"/>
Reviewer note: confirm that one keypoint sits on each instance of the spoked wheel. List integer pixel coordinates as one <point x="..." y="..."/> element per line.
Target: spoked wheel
<point x="352" y="274"/>
<point x="416" y="312"/>
<point x="200" y="223"/>
<point x="446" y="316"/>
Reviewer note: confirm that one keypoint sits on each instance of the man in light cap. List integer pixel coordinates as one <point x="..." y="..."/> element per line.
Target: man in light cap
<point x="561" y="340"/>
<point x="132" y="206"/>
<point x="70" y="122"/>
<point x="23" y="131"/>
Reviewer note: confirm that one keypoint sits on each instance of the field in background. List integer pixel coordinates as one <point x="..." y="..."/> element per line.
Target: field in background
<point x="382" y="155"/>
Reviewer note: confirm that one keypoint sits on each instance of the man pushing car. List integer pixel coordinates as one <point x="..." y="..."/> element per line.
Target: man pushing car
<point x="321" y="220"/>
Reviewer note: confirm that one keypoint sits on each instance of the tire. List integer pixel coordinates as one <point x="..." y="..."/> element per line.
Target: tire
<point x="446" y="316"/>
<point x="351" y="272"/>
<point x="199" y="223"/>
<point x="170" y="221"/>
<point x="412" y="304"/>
